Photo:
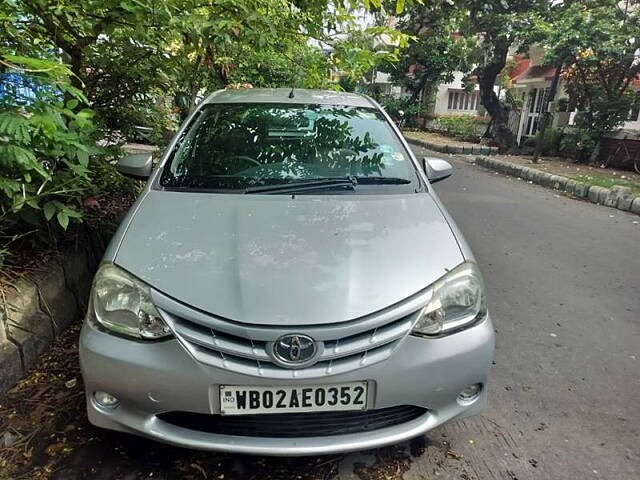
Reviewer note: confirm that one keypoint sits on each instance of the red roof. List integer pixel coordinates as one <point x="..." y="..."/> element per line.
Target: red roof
<point x="521" y="66"/>
<point x="538" y="71"/>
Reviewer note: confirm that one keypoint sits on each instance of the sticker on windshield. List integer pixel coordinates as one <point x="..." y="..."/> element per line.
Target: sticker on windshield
<point x="388" y="161"/>
<point x="398" y="157"/>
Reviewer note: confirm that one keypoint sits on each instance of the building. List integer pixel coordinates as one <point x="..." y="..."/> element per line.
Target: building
<point x="453" y="99"/>
<point x="531" y="84"/>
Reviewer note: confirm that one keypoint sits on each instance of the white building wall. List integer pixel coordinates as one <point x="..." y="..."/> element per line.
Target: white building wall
<point x="451" y="99"/>
<point x="444" y="107"/>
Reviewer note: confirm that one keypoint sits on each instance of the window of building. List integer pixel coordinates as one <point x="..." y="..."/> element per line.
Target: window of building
<point x="462" y="101"/>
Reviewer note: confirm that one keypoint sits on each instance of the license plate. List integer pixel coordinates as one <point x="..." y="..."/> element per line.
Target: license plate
<point x="248" y="400"/>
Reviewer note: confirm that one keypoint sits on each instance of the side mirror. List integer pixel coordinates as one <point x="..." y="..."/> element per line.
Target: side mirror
<point x="136" y="166"/>
<point x="436" y="169"/>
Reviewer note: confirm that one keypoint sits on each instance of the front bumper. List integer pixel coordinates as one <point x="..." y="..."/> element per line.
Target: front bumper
<point x="152" y="378"/>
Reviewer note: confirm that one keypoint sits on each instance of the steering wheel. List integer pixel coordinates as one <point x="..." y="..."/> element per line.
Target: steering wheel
<point x="246" y="159"/>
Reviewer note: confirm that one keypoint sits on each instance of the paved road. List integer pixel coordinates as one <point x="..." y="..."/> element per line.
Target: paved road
<point x="563" y="281"/>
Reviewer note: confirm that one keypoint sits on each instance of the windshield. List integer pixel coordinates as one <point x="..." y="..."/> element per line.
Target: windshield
<point x="238" y="146"/>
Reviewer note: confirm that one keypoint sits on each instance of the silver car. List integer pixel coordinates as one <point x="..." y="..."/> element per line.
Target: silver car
<point x="288" y="283"/>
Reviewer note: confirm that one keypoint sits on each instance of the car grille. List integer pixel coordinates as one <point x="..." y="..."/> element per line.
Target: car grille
<point x="249" y="353"/>
<point x="291" y="425"/>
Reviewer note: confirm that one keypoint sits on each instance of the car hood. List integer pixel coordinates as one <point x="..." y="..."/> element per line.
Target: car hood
<point x="271" y="259"/>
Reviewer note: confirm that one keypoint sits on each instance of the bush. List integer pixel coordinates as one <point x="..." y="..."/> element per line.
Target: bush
<point x="45" y="145"/>
<point x="578" y="143"/>
<point x="49" y="161"/>
<point x="552" y="141"/>
<point x="563" y="104"/>
<point x="150" y="122"/>
<point x="458" y="126"/>
<point x="128" y="91"/>
<point x="411" y="111"/>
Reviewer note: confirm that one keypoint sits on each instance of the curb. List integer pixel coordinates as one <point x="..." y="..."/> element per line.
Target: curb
<point x="454" y="149"/>
<point x="617" y="197"/>
<point x="37" y="308"/>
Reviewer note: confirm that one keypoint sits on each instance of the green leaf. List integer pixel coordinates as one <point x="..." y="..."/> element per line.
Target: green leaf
<point x="37" y="65"/>
<point x="86" y="113"/>
<point x="32" y="202"/>
<point x="49" y="210"/>
<point x="83" y="157"/>
<point x="73" y="213"/>
<point x="74" y="92"/>
<point x="63" y="219"/>
<point x="73" y="103"/>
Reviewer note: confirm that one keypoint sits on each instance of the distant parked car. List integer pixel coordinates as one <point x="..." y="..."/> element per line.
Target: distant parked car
<point x="288" y="283"/>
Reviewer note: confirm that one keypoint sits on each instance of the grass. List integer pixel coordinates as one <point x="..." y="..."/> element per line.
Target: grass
<point x="607" y="182"/>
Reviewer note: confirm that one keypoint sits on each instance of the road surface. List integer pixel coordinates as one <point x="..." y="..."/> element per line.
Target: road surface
<point x="563" y="281"/>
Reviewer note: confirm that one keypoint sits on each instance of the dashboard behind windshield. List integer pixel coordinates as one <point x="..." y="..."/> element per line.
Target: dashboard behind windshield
<point x="236" y="146"/>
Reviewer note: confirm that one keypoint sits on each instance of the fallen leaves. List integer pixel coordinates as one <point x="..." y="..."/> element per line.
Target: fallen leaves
<point x="35" y="408"/>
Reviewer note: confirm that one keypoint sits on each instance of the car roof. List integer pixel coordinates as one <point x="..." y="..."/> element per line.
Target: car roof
<point x="282" y="95"/>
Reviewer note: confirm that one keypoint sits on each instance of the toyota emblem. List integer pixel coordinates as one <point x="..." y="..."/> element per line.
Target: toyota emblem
<point x="295" y="350"/>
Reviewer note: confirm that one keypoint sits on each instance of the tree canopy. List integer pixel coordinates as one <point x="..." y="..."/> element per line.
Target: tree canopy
<point x="73" y="72"/>
<point x="437" y="49"/>
<point x="597" y="45"/>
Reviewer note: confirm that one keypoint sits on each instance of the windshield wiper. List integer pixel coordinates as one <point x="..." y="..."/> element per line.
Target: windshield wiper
<point x="305" y="185"/>
<point x="318" y="183"/>
<point x="383" y="180"/>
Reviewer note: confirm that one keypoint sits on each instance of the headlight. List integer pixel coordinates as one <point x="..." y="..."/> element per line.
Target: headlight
<point x="457" y="301"/>
<point x="122" y="303"/>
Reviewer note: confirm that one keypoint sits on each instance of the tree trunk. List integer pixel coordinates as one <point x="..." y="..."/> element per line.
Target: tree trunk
<point x="487" y="75"/>
<point x="76" y="67"/>
<point x="545" y="111"/>
<point x="415" y="92"/>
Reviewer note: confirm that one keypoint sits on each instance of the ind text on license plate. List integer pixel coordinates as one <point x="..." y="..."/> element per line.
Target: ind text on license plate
<point x="245" y="400"/>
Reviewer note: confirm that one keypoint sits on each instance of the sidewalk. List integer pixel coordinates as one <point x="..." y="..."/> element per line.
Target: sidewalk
<point x="440" y="143"/>
<point x="619" y="197"/>
<point x="139" y="148"/>
<point x="590" y="174"/>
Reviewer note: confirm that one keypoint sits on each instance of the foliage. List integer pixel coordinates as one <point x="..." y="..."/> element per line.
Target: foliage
<point x="290" y="62"/>
<point x="552" y="141"/>
<point x="563" y="104"/>
<point x="512" y="100"/>
<point x="607" y="181"/>
<point x="347" y="84"/>
<point x="578" y="143"/>
<point x="463" y="127"/>
<point x="436" y="50"/>
<point x="127" y="86"/>
<point x="133" y="63"/>
<point x="360" y="53"/>
<point x="45" y="146"/>
<point x="498" y="25"/>
<point x="127" y="55"/>
<point x="597" y="41"/>
<point x="410" y="111"/>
